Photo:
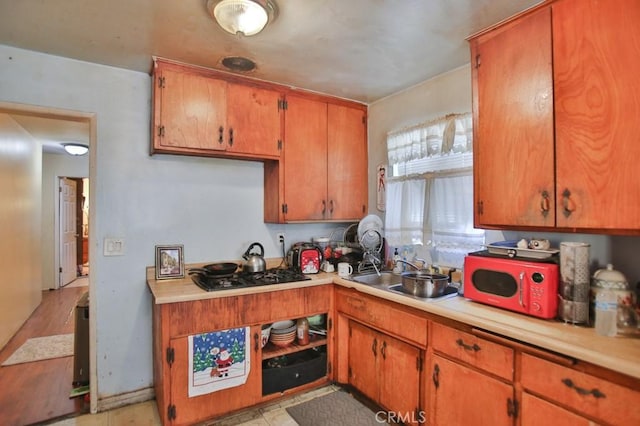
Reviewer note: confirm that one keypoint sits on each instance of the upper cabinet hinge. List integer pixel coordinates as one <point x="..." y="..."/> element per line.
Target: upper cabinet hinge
<point x="171" y="412"/>
<point x="282" y="104"/>
<point x="350" y="374"/>
<point x="161" y="131"/>
<point x="512" y="408"/>
<point x="329" y="367"/>
<point x="161" y="82"/>
<point x="364" y="120"/>
<point x="330" y="323"/>
<point x="284" y="209"/>
<point x="170" y="355"/>
<point x="480" y="207"/>
<point x="478" y="60"/>
<point x="279" y="145"/>
<point x="419" y="363"/>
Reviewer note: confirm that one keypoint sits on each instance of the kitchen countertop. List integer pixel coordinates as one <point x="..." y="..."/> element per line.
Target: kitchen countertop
<point x="621" y="354"/>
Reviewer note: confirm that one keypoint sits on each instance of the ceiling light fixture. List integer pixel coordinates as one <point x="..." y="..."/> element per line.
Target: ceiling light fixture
<point x="245" y="17"/>
<point x="76" y="148"/>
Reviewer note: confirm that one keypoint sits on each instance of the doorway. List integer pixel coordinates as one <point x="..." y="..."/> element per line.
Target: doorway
<point x="73" y="236"/>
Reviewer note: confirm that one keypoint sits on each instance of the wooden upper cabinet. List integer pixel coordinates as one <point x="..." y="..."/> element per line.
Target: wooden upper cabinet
<point x="513" y="124"/>
<point x="305" y="159"/>
<point x="596" y="62"/>
<point x="254" y="120"/>
<point x="198" y="112"/>
<point x="188" y="113"/>
<point x="571" y="64"/>
<point x="347" y="179"/>
<point x="325" y="161"/>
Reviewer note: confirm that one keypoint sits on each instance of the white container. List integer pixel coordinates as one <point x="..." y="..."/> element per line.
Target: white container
<point x="606" y="313"/>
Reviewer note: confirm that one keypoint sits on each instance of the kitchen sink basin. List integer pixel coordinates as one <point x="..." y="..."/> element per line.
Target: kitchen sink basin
<point x="385" y="279"/>
<point x="392" y="283"/>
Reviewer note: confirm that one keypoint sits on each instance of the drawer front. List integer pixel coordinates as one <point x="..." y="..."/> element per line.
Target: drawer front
<point x="383" y="316"/>
<point x="586" y="394"/>
<point x="476" y="351"/>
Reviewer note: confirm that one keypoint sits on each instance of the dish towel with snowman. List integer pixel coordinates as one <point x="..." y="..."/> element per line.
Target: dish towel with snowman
<point x="218" y="360"/>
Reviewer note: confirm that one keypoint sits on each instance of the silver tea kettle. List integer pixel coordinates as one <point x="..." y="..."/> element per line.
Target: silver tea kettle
<point x="254" y="262"/>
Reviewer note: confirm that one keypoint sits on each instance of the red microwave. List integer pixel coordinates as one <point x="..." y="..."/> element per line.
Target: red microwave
<point x="524" y="286"/>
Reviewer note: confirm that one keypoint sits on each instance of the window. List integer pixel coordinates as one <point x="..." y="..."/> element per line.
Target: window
<point x="430" y="190"/>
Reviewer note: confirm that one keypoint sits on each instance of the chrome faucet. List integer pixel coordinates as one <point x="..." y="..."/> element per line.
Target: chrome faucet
<point x="407" y="263"/>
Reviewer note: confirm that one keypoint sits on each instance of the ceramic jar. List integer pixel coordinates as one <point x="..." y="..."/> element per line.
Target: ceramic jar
<point x="609" y="279"/>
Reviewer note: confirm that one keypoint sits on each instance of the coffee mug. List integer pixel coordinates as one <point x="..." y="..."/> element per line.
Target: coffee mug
<point x="327" y="267"/>
<point x="344" y="269"/>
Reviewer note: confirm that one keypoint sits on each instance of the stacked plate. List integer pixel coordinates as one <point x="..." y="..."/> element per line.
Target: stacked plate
<point x="283" y="333"/>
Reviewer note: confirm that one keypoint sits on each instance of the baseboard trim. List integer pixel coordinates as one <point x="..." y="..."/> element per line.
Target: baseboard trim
<point x="120" y="400"/>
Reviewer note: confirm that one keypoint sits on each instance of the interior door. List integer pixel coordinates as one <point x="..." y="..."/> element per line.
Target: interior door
<point x="68" y="231"/>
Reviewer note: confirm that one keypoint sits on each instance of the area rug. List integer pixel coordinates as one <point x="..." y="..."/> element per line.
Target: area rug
<point x="336" y="408"/>
<point x="40" y="348"/>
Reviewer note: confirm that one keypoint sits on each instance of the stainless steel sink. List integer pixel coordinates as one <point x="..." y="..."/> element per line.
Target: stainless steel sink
<point x="385" y="279"/>
<point x="392" y="283"/>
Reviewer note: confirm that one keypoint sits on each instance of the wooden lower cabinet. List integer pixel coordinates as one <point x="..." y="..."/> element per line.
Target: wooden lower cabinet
<point x="579" y="393"/>
<point x="538" y="412"/>
<point x="386" y="370"/>
<point x="173" y="323"/>
<point x="460" y="395"/>
<point x="188" y="410"/>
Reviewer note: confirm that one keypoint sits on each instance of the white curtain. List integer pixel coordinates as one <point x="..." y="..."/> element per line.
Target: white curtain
<point x="404" y="221"/>
<point x="430" y="189"/>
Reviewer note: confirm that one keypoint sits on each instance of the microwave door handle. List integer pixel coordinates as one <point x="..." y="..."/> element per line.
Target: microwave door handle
<point x="520" y="289"/>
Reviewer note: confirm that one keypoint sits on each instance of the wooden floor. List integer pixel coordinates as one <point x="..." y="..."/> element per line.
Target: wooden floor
<point x="37" y="392"/>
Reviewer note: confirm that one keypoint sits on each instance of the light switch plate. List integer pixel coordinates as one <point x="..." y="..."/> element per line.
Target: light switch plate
<point x="114" y="246"/>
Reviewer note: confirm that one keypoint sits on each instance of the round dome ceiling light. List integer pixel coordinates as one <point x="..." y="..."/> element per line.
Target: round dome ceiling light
<point x="243" y="17"/>
<point x="238" y="64"/>
<point x="76" y="148"/>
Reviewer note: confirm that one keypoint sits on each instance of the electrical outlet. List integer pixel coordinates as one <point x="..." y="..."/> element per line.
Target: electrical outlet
<point x="280" y="237"/>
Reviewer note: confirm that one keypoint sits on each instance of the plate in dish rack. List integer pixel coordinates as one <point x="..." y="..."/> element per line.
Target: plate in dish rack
<point x="510" y="249"/>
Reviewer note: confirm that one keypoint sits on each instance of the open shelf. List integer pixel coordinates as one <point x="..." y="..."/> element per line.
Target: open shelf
<point x="271" y="351"/>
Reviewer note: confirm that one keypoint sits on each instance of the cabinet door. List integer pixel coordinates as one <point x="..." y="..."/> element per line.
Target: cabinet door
<point x="462" y="396"/>
<point x="305" y="159"/>
<point x="537" y="412"/>
<point x="400" y="378"/>
<point x="189" y="410"/>
<point x="596" y="62"/>
<point x="254" y="121"/>
<point x="347" y="163"/>
<point x="513" y="124"/>
<point x="364" y="346"/>
<point x="190" y="111"/>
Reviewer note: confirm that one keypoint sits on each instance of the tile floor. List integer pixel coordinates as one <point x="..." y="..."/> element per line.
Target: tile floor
<point x="146" y="414"/>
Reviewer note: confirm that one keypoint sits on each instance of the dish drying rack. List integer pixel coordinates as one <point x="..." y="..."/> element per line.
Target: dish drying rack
<point x="372" y="254"/>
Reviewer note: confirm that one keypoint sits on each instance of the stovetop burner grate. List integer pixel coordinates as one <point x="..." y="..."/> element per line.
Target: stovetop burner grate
<point x="245" y="279"/>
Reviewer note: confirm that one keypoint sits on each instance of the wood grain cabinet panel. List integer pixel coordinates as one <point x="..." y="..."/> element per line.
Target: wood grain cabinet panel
<point x="459" y="395"/>
<point x="578" y="73"/>
<point x="325" y="161"/>
<point x="580" y="392"/>
<point x="386" y="370"/>
<point x="476" y="351"/>
<point x="538" y="412"/>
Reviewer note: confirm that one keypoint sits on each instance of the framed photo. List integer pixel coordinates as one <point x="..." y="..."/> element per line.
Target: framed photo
<point x="169" y="262"/>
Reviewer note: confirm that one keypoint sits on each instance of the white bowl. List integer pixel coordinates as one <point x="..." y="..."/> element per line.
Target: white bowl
<point x="280" y="326"/>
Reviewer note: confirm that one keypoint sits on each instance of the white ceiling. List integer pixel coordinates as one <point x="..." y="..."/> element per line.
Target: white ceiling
<point x="362" y="50"/>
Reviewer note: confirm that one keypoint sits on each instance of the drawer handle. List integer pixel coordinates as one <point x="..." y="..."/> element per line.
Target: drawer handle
<point x="466" y="347"/>
<point x="544" y="204"/>
<point x="436" y="376"/>
<point x="582" y="391"/>
<point x="374" y="347"/>
<point x="220" y="134"/>
<point x="231" y="136"/>
<point x="383" y="350"/>
<point x="255" y="342"/>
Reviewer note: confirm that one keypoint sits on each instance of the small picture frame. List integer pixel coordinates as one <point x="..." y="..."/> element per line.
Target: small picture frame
<point x="169" y="262"/>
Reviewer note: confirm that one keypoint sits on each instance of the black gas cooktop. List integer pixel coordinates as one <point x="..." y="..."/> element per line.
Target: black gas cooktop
<point x="246" y="279"/>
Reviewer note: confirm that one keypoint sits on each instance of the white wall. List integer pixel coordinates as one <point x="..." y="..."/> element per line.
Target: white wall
<point x="55" y="166"/>
<point x="212" y="206"/>
<point x="20" y="220"/>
